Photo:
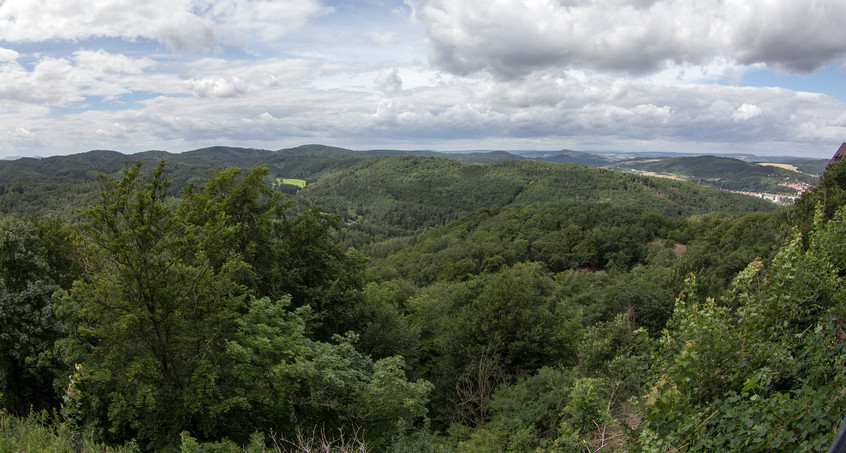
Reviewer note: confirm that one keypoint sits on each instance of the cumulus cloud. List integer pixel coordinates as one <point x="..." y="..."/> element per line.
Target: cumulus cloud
<point x="265" y="19"/>
<point x="108" y="63"/>
<point x="183" y="25"/>
<point x="543" y="110"/>
<point x="746" y="112"/>
<point x="512" y="37"/>
<point x="23" y="133"/>
<point x="217" y="87"/>
<point x="389" y="81"/>
<point x="565" y="110"/>
<point x="566" y="73"/>
<point x="8" y="55"/>
<point x="60" y="81"/>
<point x="219" y="78"/>
<point x="797" y="36"/>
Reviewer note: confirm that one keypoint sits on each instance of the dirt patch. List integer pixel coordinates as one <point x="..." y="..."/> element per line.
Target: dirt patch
<point x="784" y="166"/>
<point x="661" y="175"/>
<point x="678" y="248"/>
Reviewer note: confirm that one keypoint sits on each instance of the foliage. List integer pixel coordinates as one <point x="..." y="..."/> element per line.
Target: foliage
<point x="29" y="323"/>
<point x="289" y="249"/>
<point x="38" y="432"/>
<point x="766" y="375"/>
<point x="277" y="372"/>
<point x="510" y="316"/>
<point x="726" y="173"/>
<point x="216" y="313"/>
<point x="829" y="194"/>
<point x="386" y="329"/>
<point x="150" y="315"/>
<point x="525" y="416"/>
<point x="172" y="321"/>
<point x="404" y="195"/>
<point x="562" y="235"/>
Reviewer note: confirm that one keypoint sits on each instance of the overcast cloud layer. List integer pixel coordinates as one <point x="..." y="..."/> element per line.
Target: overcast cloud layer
<point x="757" y="76"/>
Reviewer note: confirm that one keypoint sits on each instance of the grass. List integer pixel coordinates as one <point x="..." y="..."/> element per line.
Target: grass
<point x="290" y="181"/>
<point x="40" y="432"/>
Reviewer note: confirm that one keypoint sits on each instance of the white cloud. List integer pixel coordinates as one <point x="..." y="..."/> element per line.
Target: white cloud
<point x="381" y="38"/>
<point x="389" y="81"/>
<point x="183" y="25"/>
<point x="217" y="87"/>
<point x="528" y="74"/>
<point x="265" y="19"/>
<point x="23" y="133"/>
<point x="544" y="111"/>
<point x="746" y="112"/>
<point x="555" y="110"/>
<point x="8" y="54"/>
<point x="47" y="83"/>
<point x="61" y="81"/>
<point x="797" y="36"/>
<point x="512" y="38"/>
<point x="219" y="78"/>
<point x="107" y="63"/>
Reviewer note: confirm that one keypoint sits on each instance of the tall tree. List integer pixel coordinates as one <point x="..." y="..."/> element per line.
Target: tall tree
<point x="153" y="310"/>
<point x="290" y="249"/>
<point x="174" y="329"/>
<point x="28" y="324"/>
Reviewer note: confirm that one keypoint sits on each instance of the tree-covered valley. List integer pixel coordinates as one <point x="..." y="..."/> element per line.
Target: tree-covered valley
<point x="412" y="302"/>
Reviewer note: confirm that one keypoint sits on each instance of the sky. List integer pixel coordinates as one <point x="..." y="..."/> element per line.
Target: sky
<point x="766" y="77"/>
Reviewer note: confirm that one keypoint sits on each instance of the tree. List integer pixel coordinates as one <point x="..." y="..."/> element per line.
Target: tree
<point x="510" y="318"/>
<point x="290" y="250"/>
<point x="762" y="369"/>
<point x="829" y="195"/>
<point x="29" y="323"/>
<point x="157" y="301"/>
<point x="175" y="333"/>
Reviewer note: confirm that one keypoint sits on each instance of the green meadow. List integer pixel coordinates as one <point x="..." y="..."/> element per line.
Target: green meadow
<point x="291" y="181"/>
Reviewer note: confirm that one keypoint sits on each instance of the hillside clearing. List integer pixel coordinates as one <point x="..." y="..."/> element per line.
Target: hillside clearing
<point x="782" y="166"/>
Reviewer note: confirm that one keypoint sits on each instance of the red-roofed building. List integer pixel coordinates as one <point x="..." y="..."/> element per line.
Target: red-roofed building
<point x="840" y="154"/>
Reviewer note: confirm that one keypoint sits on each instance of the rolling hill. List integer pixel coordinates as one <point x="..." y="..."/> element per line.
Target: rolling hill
<point x="397" y="191"/>
<point x="722" y="172"/>
<point x="400" y="195"/>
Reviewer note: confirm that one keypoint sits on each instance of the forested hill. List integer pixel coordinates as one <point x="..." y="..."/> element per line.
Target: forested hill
<point x="398" y="192"/>
<point x="85" y="166"/>
<point x="566" y="156"/>
<point x="512" y="306"/>
<point x="63" y="184"/>
<point x="400" y="195"/>
<point x="306" y="161"/>
<point x="723" y="172"/>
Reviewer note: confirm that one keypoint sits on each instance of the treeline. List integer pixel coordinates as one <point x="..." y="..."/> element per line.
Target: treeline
<point x="228" y="316"/>
<point x="220" y="314"/>
<point x="395" y="196"/>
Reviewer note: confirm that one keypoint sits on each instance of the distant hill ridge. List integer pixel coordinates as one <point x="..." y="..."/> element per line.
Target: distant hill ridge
<point x="310" y="162"/>
<point x="88" y="164"/>
<point x="398" y="195"/>
<point x="724" y="173"/>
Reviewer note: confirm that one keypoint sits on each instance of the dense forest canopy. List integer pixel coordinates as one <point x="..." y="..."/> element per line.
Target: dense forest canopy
<point x="413" y="303"/>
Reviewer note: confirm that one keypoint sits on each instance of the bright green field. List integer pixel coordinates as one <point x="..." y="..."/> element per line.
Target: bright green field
<point x="294" y="182"/>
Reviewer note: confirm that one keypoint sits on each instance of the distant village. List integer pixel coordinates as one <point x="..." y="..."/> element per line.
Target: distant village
<point x="799" y="187"/>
